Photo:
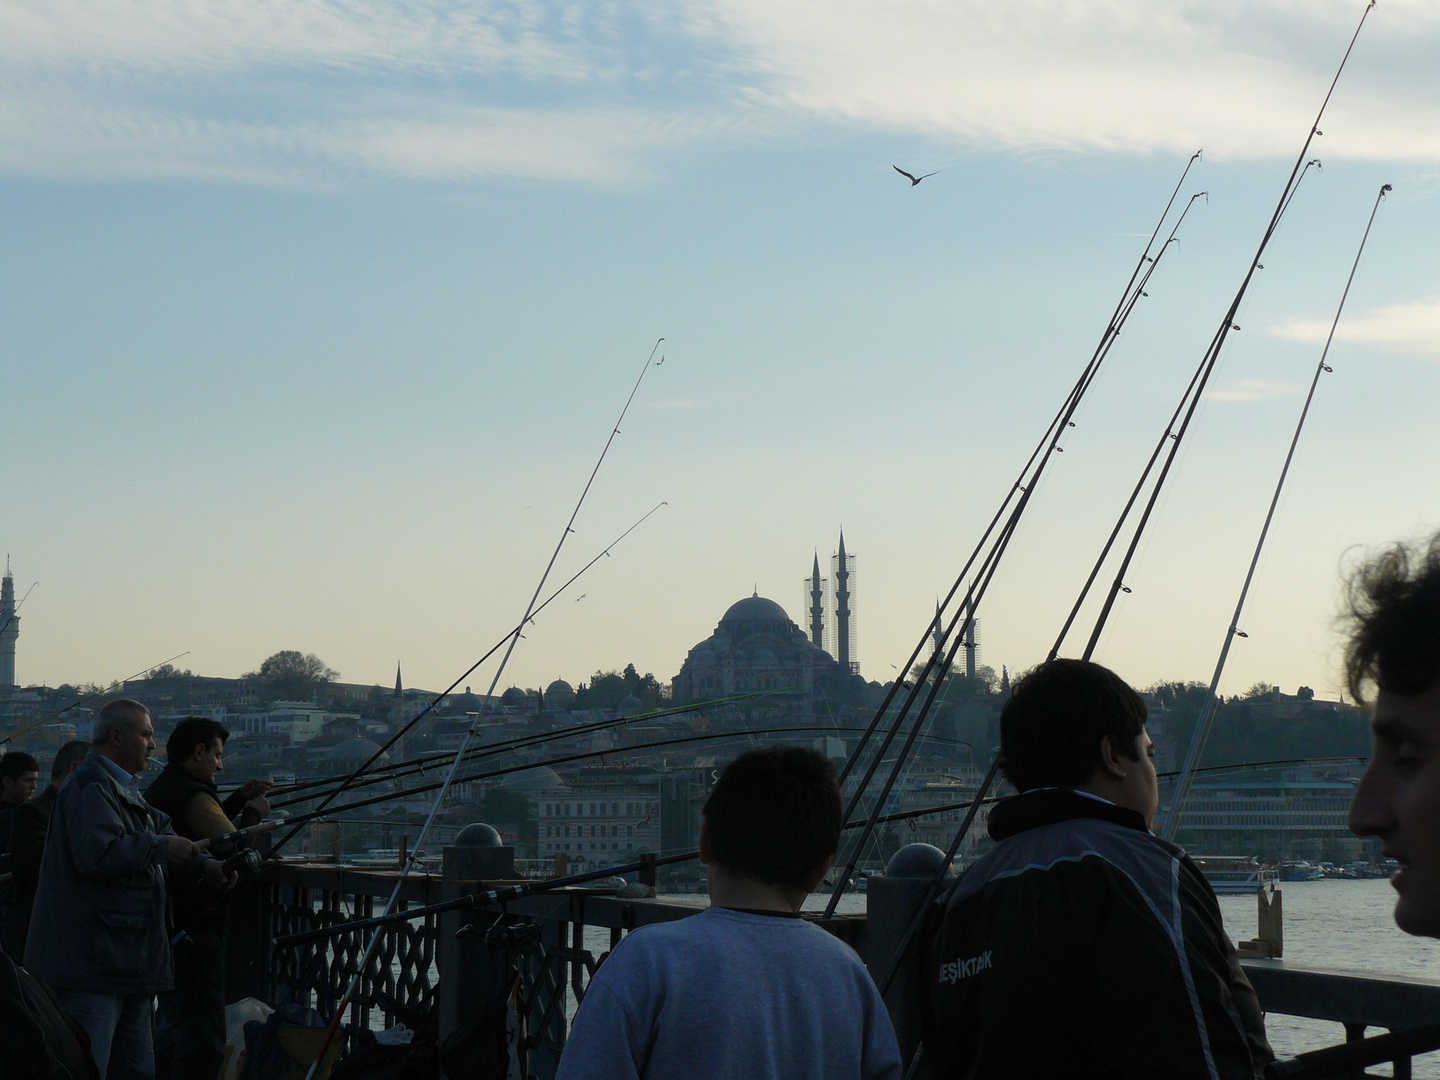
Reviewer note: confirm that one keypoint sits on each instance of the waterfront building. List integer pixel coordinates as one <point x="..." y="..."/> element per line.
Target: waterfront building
<point x="1281" y="819"/>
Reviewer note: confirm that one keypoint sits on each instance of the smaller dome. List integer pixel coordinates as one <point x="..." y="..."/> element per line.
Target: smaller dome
<point x="478" y="834"/>
<point x="513" y="696"/>
<point x="629" y="706"/>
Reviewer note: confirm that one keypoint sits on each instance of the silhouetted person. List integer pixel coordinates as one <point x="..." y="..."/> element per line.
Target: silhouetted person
<point x="27" y="836"/>
<point x="1082" y="945"/>
<point x="1394" y="657"/>
<point x="98" y="932"/>
<point x="19" y="774"/>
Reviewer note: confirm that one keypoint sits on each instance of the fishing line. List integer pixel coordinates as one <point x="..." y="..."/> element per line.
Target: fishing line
<point x="465" y="744"/>
<point x="1202" y="724"/>
<point x="511" y="637"/>
<point x="89" y="697"/>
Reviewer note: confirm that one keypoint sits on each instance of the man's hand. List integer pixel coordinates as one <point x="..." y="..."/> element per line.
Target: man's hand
<point x="214" y="871"/>
<point x="260" y="805"/>
<point x="255" y="789"/>
<point x="178" y="849"/>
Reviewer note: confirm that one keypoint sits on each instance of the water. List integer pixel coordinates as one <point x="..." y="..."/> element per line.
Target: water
<point x="1340" y="924"/>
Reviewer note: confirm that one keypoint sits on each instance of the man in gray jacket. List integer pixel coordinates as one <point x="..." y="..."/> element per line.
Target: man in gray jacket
<point x="98" y="934"/>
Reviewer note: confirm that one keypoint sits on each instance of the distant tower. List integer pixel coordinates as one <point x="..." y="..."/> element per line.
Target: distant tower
<point x="972" y="641"/>
<point x="842" y="573"/>
<point x="939" y="634"/>
<point x="399" y="689"/>
<point x="815" y="593"/>
<point x="9" y="628"/>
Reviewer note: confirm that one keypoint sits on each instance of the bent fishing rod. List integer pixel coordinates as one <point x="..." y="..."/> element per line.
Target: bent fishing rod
<point x="389" y="773"/>
<point x="1207" y="711"/>
<point x="118" y="683"/>
<point x="465" y="744"/>
<point x="1021" y="490"/>
<point x="511" y="637"/>
<point x="1175" y="436"/>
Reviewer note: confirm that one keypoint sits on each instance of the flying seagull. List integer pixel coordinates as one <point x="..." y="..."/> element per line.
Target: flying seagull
<point x="913" y="179"/>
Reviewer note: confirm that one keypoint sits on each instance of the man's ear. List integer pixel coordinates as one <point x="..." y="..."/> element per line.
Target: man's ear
<point x="1113" y="763"/>
<point x="813" y="881"/>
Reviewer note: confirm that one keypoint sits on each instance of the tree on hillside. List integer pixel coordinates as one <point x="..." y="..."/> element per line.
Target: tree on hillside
<point x="606" y="689"/>
<point x="291" y="675"/>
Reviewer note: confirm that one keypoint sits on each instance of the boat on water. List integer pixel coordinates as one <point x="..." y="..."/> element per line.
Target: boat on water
<point x="1231" y="875"/>
<point x="1300" y="870"/>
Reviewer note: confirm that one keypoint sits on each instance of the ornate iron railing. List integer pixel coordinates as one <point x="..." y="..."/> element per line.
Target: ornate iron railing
<point x="401" y="969"/>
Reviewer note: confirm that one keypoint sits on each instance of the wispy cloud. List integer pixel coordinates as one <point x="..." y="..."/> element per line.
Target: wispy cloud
<point x="1412" y="327"/>
<point x="1248" y="390"/>
<point x="304" y="90"/>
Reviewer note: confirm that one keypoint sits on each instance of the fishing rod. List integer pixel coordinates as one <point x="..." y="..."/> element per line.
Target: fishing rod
<point x="386" y="773"/>
<point x="679" y="740"/>
<point x="1212" y="354"/>
<point x="1165" y="438"/>
<point x="1044" y="447"/>
<point x="1207" y="711"/>
<point x="1296" y="173"/>
<point x="1048" y="445"/>
<point x="88" y="697"/>
<point x="511" y="637"/>
<point x="478" y="899"/>
<point x="465" y="744"/>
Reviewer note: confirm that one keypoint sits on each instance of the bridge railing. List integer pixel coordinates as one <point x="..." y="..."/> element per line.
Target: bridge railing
<point x="555" y="942"/>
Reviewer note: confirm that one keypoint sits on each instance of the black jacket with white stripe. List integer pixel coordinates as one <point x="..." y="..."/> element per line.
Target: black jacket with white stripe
<point x="1084" y="946"/>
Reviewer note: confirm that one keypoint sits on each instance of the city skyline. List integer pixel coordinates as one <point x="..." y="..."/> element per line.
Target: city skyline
<point x="314" y="324"/>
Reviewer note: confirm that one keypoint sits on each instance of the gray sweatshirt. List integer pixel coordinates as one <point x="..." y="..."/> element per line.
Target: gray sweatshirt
<point x="729" y="993"/>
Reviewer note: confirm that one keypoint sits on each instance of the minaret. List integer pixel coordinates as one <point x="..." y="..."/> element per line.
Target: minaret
<point x="9" y="628"/>
<point x="842" y="607"/>
<point x="939" y="633"/>
<point x="817" y="608"/>
<point x="971" y="640"/>
<point x="399" y="689"/>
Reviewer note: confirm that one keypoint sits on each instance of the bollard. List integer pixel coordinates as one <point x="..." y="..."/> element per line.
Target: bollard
<point x="892" y="901"/>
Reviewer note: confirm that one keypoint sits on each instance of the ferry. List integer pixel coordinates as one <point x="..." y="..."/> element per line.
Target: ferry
<point x="1232" y="875"/>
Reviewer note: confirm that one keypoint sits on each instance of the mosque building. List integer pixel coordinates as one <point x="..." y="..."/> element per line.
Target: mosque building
<point x="757" y="646"/>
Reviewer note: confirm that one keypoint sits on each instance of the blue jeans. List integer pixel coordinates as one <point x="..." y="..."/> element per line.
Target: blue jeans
<point x="119" y="1026"/>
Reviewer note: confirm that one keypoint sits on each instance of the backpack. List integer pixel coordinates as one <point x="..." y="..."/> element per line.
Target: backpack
<point x="38" y="1039"/>
<point x="282" y="1046"/>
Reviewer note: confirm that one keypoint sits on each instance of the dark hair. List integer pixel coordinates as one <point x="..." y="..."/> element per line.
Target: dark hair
<point x="67" y="757"/>
<point x="1057" y="715"/>
<point x="16" y="764"/>
<point x="120" y="713"/>
<point x="774" y="815"/>
<point x="191" y="732"/>
<point x="1393" y="612"/>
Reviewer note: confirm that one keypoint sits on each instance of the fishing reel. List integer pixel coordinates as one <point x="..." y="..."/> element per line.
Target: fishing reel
<point x="246" y="862"/>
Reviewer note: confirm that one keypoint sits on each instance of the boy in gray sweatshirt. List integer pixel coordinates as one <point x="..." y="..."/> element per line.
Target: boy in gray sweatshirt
<point x="746" y="987"/>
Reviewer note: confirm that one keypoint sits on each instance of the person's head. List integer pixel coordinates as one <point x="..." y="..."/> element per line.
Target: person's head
<point x="773" y="817"/>
<point x="125" y="735"/>
<point x="19" y="774"/>
<point x="67" y="758"/>
<point x="196" y="745"/>
<point x="1393" y="658"/>
<point x="1074" y="724"/>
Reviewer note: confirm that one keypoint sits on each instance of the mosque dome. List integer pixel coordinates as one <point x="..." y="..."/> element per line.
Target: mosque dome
<point x="559" y="686"/>
<point x="357" y="749"/>
<point x="754" y="609"/>
<point x="514" y="696"/>
<point x="629" y="706"/>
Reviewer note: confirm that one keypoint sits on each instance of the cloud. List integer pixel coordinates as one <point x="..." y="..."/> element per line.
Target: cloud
<point x="1412" y="327"/>
<point x="305" y="91"/>
<point x="1248" y="390"/>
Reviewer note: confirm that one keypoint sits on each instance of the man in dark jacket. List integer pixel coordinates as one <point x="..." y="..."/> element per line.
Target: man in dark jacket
<point x="19" y="773"/>
<point x="98" y="933"/>
<point x="1082" y="945"/>
<point x="190" y="1027"/>
<point x="27" y="836"/>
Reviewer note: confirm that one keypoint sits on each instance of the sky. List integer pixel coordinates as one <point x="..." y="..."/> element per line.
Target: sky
<point x="316" y="315"/>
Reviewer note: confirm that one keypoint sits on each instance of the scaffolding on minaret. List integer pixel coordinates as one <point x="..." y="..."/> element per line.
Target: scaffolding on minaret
<point x="841" y="638"/>
<point x="9" y="628"/>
